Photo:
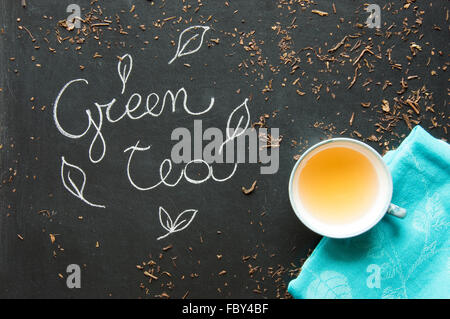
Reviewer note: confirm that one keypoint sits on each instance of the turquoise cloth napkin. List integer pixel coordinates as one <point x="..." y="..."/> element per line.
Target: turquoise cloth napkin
<point x="407" y="258"/>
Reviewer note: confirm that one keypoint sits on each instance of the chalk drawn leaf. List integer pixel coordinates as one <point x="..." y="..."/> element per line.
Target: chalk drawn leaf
<point x="68" y="175"/>
<point x="165" y="220"/>
<point x="66" y="169"/>
<point x="242" y="114"/>
<point x="124" y="68"/>
<point x="238" y="122"/>
<point x="182" y="222"/>
<point x="198" y="35"/>
<point x="184" y="219"/>
<point x="329" y="285"/>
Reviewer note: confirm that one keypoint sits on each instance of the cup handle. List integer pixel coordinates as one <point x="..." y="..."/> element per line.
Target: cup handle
<point x="396" y="211"/>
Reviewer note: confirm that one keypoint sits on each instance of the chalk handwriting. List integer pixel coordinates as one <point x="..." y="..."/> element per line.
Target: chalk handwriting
<point x="182" y="222"/>
<point x="165" y="170"/>
<point x="69" y="183"/>
<point x="136" y="107"/>
<point x="130" y="109"/>
<point x="181" y="49"/>
<point x="233" y="132"/>
<point x="166" y="166"/>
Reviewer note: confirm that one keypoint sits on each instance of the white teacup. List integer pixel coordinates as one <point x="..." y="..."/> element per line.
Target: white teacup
<point x="367" y="219"/>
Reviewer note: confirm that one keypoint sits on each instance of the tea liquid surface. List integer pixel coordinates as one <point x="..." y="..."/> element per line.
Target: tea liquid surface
<point x="338" y="184"/>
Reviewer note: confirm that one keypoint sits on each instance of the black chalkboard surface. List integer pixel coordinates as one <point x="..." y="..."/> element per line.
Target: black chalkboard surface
<point x="91" y="93"/>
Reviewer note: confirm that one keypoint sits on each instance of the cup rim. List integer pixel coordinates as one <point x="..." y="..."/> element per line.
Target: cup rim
<point x="382" y="213"/>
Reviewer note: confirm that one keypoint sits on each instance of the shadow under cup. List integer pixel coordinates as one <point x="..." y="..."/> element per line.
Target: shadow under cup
<point x="364" y="221"/>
